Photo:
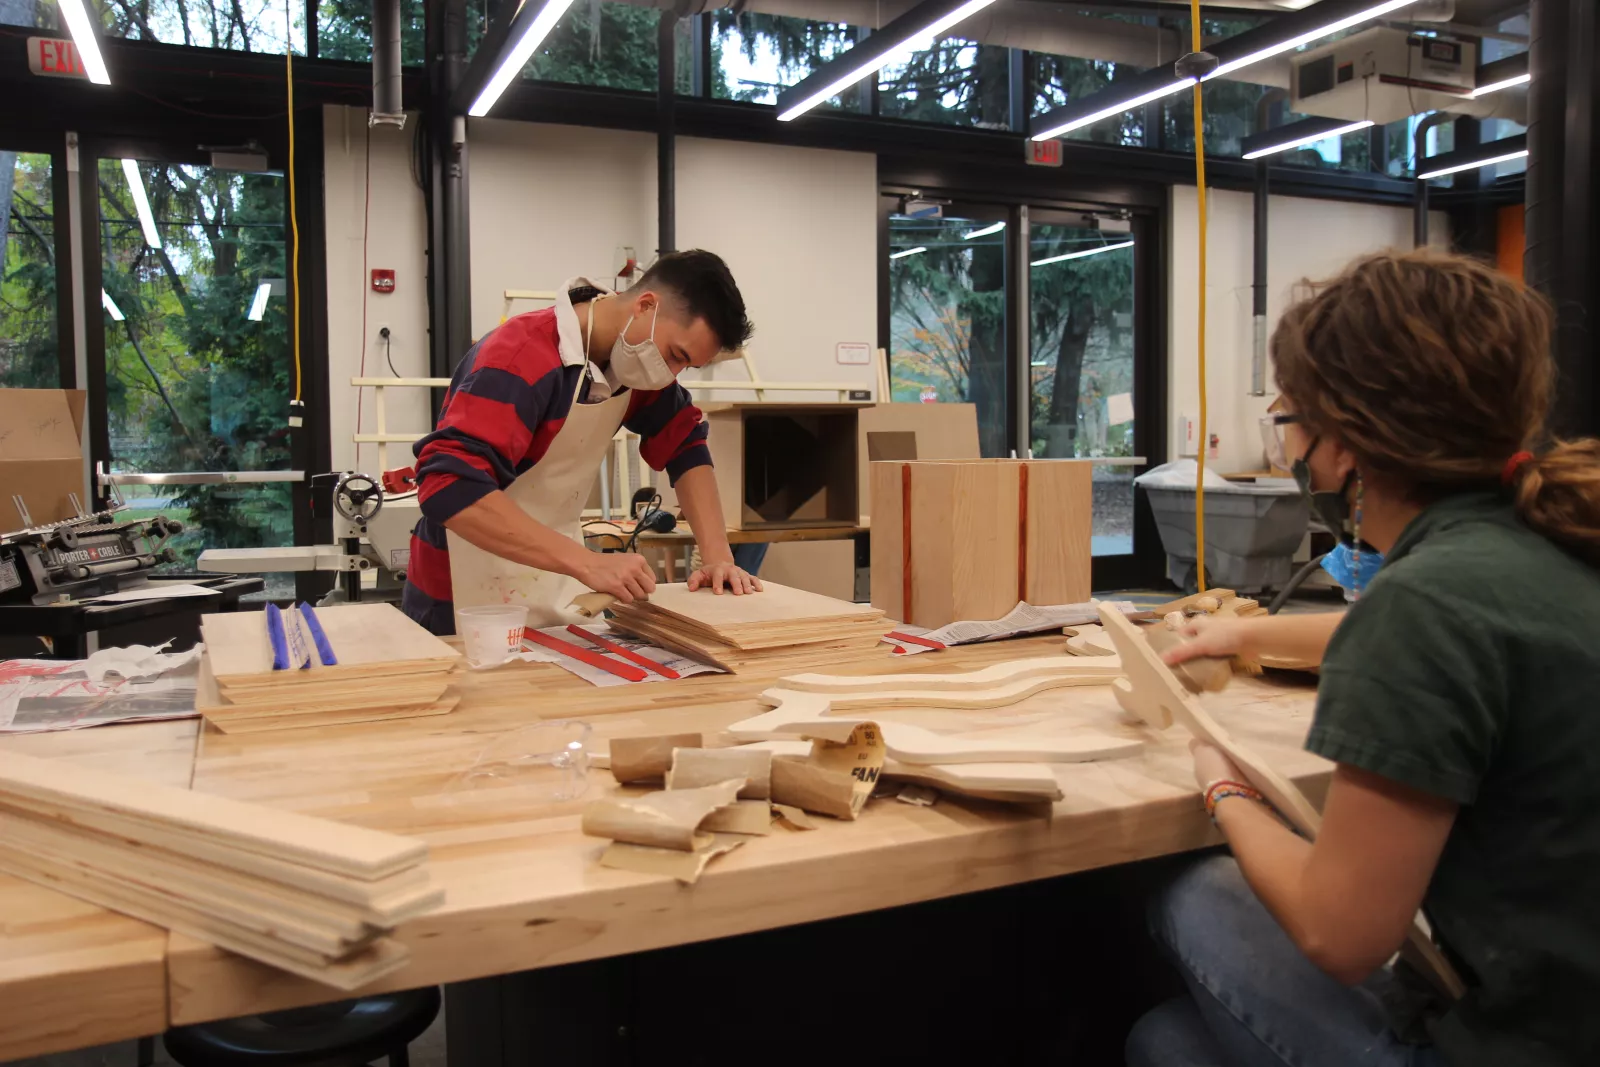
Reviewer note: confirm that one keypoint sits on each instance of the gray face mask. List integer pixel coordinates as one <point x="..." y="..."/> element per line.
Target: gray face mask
<point x="1329" y="505"/>
<point x="640" y="366"/>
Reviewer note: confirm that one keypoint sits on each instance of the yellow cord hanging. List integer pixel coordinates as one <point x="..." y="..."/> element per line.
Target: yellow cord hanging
<point x="1200" y="186"/>
<point x="294" y="221"/>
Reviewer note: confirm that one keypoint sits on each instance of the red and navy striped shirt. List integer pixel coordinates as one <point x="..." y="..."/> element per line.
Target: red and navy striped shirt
<point x="507" y="400"/>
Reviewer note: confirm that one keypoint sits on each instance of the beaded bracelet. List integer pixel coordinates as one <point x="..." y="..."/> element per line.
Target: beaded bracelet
<point x="1227" y="787"/>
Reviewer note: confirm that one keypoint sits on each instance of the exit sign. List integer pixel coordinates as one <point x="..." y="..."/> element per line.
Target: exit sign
<point x="55" y="57"/>
<point x="1045" y="153"/>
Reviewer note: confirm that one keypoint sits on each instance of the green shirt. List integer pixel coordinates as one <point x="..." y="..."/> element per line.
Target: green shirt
<point x="1470" y="669"/>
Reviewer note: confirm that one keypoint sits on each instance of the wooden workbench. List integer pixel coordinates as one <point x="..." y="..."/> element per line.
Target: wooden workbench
<point x="523" y="887"/>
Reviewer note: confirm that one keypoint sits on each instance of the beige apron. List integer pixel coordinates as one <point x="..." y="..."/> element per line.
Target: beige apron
<point x="553" y="492"/>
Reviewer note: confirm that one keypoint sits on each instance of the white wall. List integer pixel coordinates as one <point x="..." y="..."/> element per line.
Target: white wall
<point x="797" y="226"/>
<point x="552" y="202"/>
<point x="799" y="229"/>
<point x="1306" y="239"/>
<point x="396" y="238"/>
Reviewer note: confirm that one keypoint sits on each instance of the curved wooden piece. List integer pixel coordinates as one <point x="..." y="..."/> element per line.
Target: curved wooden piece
<point x="1097" y="671"/>
<point x="913" y="744"/>
<point x="1153" y="693"/>
<point x="997" y="781"/>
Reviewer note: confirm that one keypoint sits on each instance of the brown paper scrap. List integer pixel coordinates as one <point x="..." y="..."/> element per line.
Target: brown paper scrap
<point x="740" y="817"/>
<point x="837" y="778"/>
<point x="792" y="817"/>
<point x="686" y="867"/>
<point x="923" y="796"/>
<point x="638" y="759"/>
<point x="666" y="818"/>
<point x="693" y="767"/>
<point x="591" y="605"/>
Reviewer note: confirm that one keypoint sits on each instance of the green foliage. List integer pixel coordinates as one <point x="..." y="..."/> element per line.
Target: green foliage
<point x="954" y="82"/>
<point x="344" y="31"/>
<point x="799" y="45"/>
<point x="601" y="44"/>
<point x="1058" y="80"/>
<point x="28" y="343"/>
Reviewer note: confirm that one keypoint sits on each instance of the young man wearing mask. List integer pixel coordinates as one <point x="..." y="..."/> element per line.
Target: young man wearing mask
<point x="528" y="419"/>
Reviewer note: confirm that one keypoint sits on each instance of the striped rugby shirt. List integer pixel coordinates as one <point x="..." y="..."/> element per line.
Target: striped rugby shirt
<point x="507" y="400"/>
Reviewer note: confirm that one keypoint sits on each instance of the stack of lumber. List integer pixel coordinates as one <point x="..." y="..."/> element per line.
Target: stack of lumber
<point x="310" y="896"/>
<point x="751" y="631"/>
<point x="387" y="667"/>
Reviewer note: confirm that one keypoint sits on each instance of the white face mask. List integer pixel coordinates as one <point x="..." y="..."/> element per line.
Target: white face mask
<point x="640" y="366"/>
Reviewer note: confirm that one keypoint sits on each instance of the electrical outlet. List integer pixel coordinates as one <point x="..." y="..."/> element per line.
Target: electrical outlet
<point x="382" y="332"/>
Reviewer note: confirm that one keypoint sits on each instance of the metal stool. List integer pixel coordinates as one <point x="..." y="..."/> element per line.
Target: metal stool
<point x="344" y="1034"/>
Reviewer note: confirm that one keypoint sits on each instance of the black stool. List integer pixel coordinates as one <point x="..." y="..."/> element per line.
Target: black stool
<point x="344" y="1034"/>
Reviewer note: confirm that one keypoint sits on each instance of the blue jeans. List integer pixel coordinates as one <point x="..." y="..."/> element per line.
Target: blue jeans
<point x="1254" y="999"/>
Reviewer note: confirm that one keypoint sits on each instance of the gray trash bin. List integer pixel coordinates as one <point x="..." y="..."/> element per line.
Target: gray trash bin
<point x="1252" y="533"/>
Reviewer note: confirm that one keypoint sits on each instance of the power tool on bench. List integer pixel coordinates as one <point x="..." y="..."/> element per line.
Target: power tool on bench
<point x="90" y="554"/>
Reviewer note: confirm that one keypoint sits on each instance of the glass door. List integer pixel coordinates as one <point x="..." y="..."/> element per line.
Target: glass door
<point x="1081" y="359"/>
<point x="194" y="350"/>
<point x="947" y="313"/>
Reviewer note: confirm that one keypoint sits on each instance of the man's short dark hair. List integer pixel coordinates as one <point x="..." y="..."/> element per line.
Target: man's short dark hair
<point x="704" y="286"/>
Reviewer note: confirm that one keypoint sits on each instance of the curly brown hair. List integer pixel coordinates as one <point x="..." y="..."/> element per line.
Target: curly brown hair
<point x="1435" y="369"/>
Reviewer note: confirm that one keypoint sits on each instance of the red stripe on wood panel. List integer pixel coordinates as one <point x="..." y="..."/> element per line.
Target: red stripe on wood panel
<point x="905" y="542"/>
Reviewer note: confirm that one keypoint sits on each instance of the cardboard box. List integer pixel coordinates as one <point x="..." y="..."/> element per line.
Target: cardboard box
<point x="913" y="431"/>
<point x="41" y="454"/>
<point x="956" y="540"/>
<point x="785" y="465"/>
<point x="826" y="567"/>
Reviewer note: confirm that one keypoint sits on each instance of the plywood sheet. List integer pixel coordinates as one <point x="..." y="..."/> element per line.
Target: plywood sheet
<point x="369" y="640"/>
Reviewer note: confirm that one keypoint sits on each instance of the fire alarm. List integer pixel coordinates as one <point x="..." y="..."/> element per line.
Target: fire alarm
<point x="382" y="281"/>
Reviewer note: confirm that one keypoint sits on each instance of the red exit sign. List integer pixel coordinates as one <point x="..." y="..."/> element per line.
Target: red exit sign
<point x="55" y="57"/>
<point x="1045" y="153"/>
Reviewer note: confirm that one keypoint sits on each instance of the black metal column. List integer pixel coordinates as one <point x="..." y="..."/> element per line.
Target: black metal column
<point x="449" y="246"/>
<point x="667" y="132"/>
<point x="1561" y="256"/>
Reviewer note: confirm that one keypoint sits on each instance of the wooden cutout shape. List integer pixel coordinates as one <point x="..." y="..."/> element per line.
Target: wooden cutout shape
<point x="1063" y="667"/>
<point x="1010" y="782"/>
<point x="1153" y="693"/>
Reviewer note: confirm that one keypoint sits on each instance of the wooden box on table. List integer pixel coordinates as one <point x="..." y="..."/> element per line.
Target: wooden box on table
<point x="968" y="539"/>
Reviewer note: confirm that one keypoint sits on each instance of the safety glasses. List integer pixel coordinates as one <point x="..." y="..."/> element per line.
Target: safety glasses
<point x="1272" y="437"/>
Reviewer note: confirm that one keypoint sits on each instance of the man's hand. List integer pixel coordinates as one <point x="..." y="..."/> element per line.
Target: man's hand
<point x="625" y="575"/>
<point x="1207" y="636"/>
<point x="717" y="575"/>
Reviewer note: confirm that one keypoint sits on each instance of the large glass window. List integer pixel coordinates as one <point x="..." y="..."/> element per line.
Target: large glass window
<point x="197" y="363"/>
<point x="1081" y="362"/>
<point x="241" y="25"/>
<point x="28" y="277"/>
<point x="755" y="56"/>
<point x="1059" y="80"/>
<point x="952" y="81"/>
<point x="344" y="31"/>
<point x="613" y="45"/>
<point x="947" y="280"/>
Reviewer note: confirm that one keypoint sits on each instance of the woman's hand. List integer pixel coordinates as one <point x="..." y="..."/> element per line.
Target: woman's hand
<point x="1207" y="636"/>
<point x="1211" y="764"/>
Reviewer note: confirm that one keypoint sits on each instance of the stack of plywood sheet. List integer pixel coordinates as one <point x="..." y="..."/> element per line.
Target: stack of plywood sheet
<point x="310" y="896"/>
<point x="387" y="667"/>
<point x="756" y="629"/>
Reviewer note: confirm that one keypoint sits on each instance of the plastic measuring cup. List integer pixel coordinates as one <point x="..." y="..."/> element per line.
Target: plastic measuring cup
<point x="491" y="633"/>
<point x="548" y="760"/>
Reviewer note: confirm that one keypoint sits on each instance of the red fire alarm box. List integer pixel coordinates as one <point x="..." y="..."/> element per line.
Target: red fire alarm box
<point x="382" y="281"/>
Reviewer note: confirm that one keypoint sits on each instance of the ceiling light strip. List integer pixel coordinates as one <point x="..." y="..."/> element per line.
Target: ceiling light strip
<point x="524" y="42"/>
<point x="1312" y="138"/>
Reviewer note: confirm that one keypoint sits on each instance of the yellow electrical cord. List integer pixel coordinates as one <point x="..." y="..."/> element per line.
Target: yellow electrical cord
<point x="294" y="221"/>
<point x="1200" y="185"/>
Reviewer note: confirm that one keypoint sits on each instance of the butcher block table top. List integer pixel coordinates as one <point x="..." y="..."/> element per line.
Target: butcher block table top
<point x="523" y="888"/>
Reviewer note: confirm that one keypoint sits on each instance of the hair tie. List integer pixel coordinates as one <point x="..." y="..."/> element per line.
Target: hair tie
<point x="1514" y="464"/>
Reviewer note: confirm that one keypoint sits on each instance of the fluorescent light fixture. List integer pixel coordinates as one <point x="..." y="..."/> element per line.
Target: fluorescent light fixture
<point x="1081" y="255"/>
<point x="926" y="21"/>
<point x="1366" y="14"/>
<point x="1114" y="109"/>
<point x="986" y="231"/>
<point x="258" y="306"/>
<point x="1474" y="165"/>
<point x="517" y="53"/>
<point x="76" y="15"/>
<point x="1310" y="138"/>
<point x="141" y="202"/>
<point x="908" y="252"/>
<point x="111" y="306"/>
<point x="1495" y="87"/>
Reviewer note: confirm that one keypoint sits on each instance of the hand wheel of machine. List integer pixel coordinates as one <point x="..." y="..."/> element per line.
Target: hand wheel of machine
<point x="357" y="497"/>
